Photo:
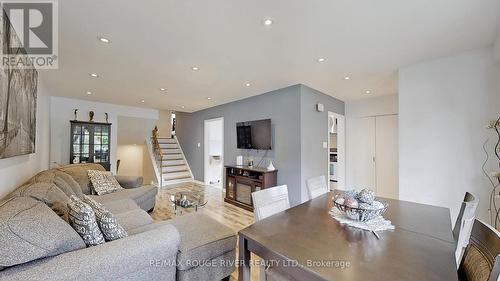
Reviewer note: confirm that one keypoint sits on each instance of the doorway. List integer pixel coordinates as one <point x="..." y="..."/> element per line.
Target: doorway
<point x="214" y="151"/>
<point x="336" y="151"/>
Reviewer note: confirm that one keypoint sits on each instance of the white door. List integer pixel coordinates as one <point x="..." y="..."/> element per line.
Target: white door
<point x="386" y="158"/>
<point x="361" y="158"/>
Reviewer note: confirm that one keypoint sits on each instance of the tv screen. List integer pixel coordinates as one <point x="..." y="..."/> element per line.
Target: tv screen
<point x="254" y="134"/>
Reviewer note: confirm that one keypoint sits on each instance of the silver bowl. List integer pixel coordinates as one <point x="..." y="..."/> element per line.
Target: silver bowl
<point x="359" y="214"/>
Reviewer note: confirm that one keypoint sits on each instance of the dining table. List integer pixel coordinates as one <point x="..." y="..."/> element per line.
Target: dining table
<point x="307" y="243"/>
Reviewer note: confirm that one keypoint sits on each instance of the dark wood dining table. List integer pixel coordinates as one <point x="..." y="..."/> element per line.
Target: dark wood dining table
<point x="307" y="243"/>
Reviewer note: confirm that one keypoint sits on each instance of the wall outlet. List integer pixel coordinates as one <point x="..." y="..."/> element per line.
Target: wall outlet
<point x="199" y="144"/>
<point x="325" y="145"/>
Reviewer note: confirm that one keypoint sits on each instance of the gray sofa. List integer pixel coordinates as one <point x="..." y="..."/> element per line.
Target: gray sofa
<point x="37" y="244"/>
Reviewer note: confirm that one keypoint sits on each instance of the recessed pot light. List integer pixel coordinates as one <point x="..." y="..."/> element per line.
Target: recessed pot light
<point x="248" y="84"/>
<point x="347" y="78"/>
<point x="182" y="106"/>
<point x="143" y="101"/>
<point x="268" y="22"/>
<point x="162" y="89"/>
<point x="321" y="59"/>
<point x="195" y="68"/>
<point x="209" y="98"/>
<point x="89" y="93"/>
<point x="104" y="40"/>
<point x="368" y="92"/>
<point x="94" y="75"/>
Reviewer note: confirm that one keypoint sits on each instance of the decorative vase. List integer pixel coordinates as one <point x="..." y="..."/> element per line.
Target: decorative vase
<point x="270" y="167"/>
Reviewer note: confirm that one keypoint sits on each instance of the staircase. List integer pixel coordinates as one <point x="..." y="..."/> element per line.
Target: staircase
<point x="174" y="167"/>
<point x="168" y="160"/>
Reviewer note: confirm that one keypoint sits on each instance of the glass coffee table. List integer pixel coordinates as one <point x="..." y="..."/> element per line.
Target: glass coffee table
<point x="187" y="201"/>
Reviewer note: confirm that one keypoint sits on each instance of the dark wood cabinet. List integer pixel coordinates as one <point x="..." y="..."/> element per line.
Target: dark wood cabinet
<point x="90" y="142"/>
<point x="241" y="181"/>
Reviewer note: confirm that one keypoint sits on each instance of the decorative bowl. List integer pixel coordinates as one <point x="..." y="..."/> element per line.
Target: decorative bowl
<point x="360" y="214"/>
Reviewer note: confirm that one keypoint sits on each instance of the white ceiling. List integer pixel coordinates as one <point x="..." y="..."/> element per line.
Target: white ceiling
<point x="156" y="42"/>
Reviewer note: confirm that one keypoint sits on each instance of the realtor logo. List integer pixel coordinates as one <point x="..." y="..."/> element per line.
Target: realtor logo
<point x="29" y="34"/>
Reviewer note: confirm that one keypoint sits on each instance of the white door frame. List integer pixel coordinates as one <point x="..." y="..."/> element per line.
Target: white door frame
<point x="205" y="150"/>
<point x="341" y="143"/>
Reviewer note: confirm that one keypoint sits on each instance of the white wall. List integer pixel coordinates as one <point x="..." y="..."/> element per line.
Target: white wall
<point x="164" y="123"/>
<point x="444" y="106"/>
<point x="131" y="160"/>
<point x="375" y="106"/>
<point x="16" y="170"/>
<point x="62" y="113"/>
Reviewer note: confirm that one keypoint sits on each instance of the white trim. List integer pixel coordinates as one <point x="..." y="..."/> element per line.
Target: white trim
<point x="205" y="151"/>
<point x="198" y="182"/>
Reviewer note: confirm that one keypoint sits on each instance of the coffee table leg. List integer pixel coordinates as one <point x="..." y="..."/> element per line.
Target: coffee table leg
<point x="244" y="260"/>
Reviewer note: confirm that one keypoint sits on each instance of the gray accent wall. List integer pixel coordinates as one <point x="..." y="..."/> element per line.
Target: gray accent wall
<point x="313" y="132"/>
<point x="298" y="133"/>
<point x="281" y="106"/>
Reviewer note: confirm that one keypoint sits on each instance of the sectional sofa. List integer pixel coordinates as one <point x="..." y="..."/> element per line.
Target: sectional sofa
<point x="38" y="244"/>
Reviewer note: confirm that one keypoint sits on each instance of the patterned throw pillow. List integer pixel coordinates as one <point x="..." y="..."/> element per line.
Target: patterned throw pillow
<point x="82" y="219"/>
<point x="107" y="222"/>
<point x="103" y="182"/>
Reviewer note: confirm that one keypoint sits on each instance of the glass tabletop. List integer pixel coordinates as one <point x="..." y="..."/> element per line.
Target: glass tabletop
<point x="188" y="200"/>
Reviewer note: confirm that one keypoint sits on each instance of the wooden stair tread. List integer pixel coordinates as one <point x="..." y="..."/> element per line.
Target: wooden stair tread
<point x="176" y="165"/>
<point x="172" y="172"/>
<point x="177" y="178"/>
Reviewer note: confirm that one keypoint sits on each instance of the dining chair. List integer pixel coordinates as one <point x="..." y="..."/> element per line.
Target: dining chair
<point x="481" y="260"/>
<point x="268" y="202"/>
<point x="463" y="225"/>
<point x="316" y="186"/>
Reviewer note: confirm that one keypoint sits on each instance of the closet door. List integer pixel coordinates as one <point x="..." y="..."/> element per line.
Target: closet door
<point x="386" y="157"/>
<point x="362" y="153"/>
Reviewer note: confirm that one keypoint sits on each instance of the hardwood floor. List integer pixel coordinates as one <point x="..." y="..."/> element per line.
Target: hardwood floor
<point x="227" y="214"/>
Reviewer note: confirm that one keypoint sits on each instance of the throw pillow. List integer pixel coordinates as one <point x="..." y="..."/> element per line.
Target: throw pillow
<point x="103" y="182"/>
<point x="82" y="219"/>
<point x="107" y="222"/>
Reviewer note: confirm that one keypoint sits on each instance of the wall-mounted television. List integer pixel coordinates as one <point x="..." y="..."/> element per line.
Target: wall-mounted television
<point x="254" y="134"/>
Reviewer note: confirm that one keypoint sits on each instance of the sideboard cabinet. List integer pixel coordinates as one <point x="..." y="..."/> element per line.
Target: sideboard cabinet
<point x="241" y="181"/>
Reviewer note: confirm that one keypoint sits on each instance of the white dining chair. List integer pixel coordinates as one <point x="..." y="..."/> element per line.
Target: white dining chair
<point x="268" y="202"/>
<point x="316" y="186"/>
<point x="463" y="225"/>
